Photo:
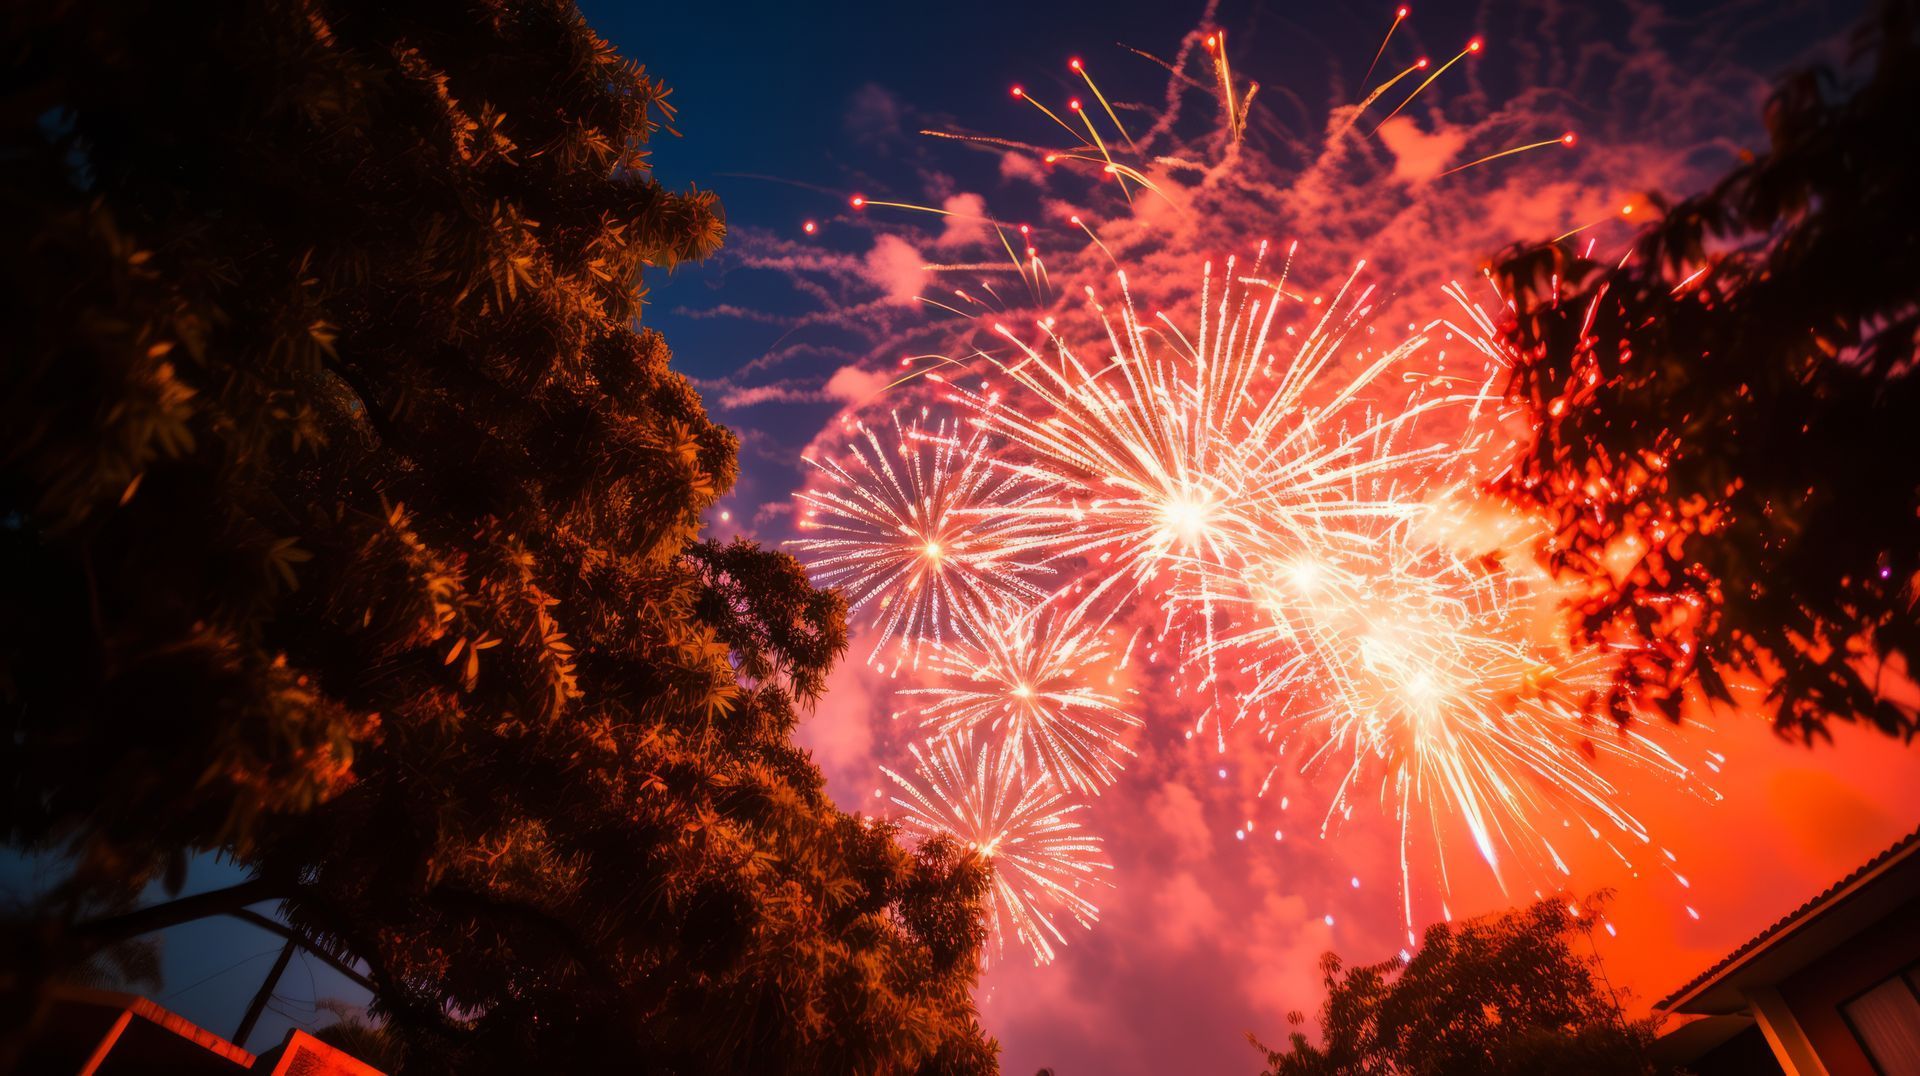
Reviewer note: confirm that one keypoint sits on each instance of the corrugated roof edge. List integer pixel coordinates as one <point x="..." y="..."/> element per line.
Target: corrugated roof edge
<point x="1900" y="850"/>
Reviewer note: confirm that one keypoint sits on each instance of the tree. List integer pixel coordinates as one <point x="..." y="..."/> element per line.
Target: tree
<point x="1504" y="994"/>
<point x="350" y="530"/>
<point x="364" y="1040"/>
<point x="1725" y="425"/>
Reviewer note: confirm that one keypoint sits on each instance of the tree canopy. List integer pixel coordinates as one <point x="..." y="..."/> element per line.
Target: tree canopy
<point x="1506" y="994"/>
<point x="1726" y="435"/>
<point x="351" y="530"/>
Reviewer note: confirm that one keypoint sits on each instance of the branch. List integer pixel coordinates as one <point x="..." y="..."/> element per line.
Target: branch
<point x="369" y="403"/>
<point x="119" y="928"/>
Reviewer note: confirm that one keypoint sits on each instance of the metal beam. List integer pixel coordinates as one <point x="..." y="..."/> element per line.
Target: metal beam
<point x="1784" y="1034"/>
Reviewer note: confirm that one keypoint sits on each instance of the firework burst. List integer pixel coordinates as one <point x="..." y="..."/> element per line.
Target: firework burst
<point x="922" y="533"/>
<point x="1044" y="863"/>
<point x="1185" y="455"/>
<point x="1031" y="680"/>
<point x="1171" y="449"/>
<point x="1411" y="672"/>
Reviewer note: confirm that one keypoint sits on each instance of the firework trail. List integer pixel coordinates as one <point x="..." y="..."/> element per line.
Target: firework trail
<point x="1030" y="681"/>
<point x="922" y="534"/>
<point x="1043" y="862"/>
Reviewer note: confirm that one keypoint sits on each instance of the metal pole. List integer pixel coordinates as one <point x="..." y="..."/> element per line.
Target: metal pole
<point x="277" y="927"/>
<point x="259" y="1004"/>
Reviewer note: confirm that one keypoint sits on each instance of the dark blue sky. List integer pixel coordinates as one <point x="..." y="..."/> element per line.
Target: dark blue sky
<point x="763" y="90"/>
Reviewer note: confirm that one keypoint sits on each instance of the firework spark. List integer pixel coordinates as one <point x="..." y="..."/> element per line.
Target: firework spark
<point x="921" y="532"/>
<point x="1411" y="670"/>
<point x="1031" y="679"/>
<point x="1168" y="446"/>
<point x="1183" y="454"/>
<point x="1044" y="862"/>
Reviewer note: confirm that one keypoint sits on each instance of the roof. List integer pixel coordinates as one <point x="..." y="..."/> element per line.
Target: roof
<point x="304" y="1055"/>
<point x="86" y="1027"/>
<point x="105" y="1032"/>
<point x="1842" y="891"/>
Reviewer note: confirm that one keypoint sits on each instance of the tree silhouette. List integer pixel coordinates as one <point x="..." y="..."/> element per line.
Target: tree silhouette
<point x="1726" y="423"/>
<point x="1506" y="994"/>
<point x="351" y="530"/>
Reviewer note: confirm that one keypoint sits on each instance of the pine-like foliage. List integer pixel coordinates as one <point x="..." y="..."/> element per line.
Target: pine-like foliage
<point x="349" y="528"/>
<point x="1728" y="423"/>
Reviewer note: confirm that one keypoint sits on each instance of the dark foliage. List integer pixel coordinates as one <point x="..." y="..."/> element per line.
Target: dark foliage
<point x="1729" y="424"/>
<point x="1507" y="994"/>
<point x="365" y="1040"/>
<point x="349" y="528"/>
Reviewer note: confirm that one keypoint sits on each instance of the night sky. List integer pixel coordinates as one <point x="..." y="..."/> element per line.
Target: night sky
<point x="786" y="110"/>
